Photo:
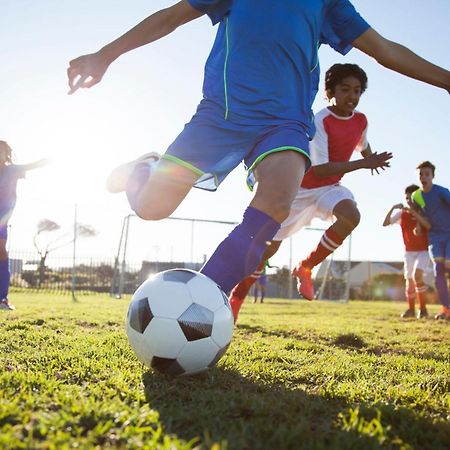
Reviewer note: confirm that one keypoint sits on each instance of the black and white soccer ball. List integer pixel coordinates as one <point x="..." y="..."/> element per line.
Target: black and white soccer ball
<point x="179" y="322"/>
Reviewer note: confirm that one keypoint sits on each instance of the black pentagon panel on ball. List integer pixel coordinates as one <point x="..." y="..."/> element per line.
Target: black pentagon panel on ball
<point x="196" y="322"/>
<point x="167" y="366"/>
<point x="219" y="355"/>
<point x="225" y="299"/>
<point x="140" y="315"/>
<point x="179" y="275"/>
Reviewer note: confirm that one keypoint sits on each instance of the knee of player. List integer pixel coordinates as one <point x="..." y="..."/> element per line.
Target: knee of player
<point x="418" y="278"/>
<point x="147" y="212"/>
<point x="354" y="218"/>
<point x="350" y="220"/>
<point x="279" y="210"/>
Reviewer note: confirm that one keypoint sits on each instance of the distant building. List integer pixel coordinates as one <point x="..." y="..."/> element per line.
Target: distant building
<point x="333" y="275"/>
<point x="149" y="268"/>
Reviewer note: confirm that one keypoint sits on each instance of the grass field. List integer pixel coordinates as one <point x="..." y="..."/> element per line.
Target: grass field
<point x="298" y="375"/>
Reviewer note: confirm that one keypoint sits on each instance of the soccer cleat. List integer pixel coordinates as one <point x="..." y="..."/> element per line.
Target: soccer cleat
<point x="235" y="303"/>
<point x="304" y="282"/>
<point x="408" y="314"/>
<point x="4" y="304"/>
<point x="118" y="178"/>
<point x="422" y="314"/>
<point x="444" y="314"/>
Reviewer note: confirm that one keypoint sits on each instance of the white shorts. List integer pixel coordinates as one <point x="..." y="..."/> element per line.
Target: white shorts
<point x="309" y="204"/>
<point x="416" y="260"/>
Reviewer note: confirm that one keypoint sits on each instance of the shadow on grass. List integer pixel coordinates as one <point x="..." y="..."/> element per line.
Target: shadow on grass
<point x="264" y="332"/>
<point x="223" y="406"/>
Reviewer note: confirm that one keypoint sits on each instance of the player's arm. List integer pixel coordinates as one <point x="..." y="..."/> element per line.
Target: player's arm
<point x="35" y="165"/>
<point x="421" y="219"/>
<point x="88" y="70"/>
<point x="388" y="219"/>
<point x="401" y="59"/>
<point x="371" y="161"/>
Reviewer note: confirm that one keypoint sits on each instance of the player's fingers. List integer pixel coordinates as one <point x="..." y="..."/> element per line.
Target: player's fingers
<point x="91" y="81"/>
<point x="76" y="84"/>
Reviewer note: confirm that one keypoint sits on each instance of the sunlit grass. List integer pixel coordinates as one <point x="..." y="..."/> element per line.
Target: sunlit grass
<point x="297" y="375"/>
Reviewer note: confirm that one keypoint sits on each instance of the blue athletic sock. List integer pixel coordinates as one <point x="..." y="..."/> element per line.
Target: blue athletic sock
<point x="240" y="253"/>
<point x="441" y="284"/>
<point x="4" y="278"/>
<point x="138" y="178"/>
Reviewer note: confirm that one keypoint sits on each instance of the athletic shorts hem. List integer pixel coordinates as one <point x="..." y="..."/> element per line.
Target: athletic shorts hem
<point x="251" y="179"/>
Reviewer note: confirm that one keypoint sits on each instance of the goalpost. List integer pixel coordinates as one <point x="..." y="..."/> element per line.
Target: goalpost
<point x="120" y="261"/>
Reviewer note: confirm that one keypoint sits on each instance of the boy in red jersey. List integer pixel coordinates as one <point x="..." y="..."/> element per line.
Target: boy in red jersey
<point x="340" y="130"/>
<point x="417" y="260"/>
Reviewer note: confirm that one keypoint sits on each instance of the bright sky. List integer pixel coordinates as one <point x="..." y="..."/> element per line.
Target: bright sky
<point x="147" y="96"/>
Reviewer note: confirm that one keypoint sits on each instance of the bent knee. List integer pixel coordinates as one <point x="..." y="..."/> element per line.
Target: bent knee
<point x="278" y="210"/>
<point x="418" y="276"/>
<point x="148" y="213"/>
<point x="354" y="218"/>
<point x="350" y="221"/>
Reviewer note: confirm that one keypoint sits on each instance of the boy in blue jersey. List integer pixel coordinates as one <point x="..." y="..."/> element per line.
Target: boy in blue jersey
<point x="260" y="81"/>
<point x="435" y="203"/>
<point x="9" y="175"/>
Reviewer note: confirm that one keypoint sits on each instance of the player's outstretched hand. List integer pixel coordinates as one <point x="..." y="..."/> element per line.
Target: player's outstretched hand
<point x="377" y="161"/>
<point x="86" y="71"/>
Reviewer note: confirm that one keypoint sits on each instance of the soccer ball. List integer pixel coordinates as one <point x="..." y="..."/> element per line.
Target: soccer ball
<point x="179" y="322"/>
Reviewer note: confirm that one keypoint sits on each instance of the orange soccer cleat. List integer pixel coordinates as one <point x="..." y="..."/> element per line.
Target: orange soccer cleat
<point x="444" y="314"/>
<point x="304" y="282"/>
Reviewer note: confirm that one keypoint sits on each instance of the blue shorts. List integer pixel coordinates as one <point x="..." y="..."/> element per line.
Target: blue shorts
<point x="212" y="147"/>
<point x="4" y="231"/>
<point x="439" y="248"/>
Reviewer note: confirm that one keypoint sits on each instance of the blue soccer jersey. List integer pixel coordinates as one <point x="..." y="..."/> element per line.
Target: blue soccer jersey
<point x="263" y="67"/>
<point x="436" y="207"/>
<point x="9" y="175"/>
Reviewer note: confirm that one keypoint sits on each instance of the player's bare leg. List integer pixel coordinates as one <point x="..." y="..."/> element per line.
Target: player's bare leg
<point x="410" y="294"/>
<point x="347" y="219"/>
<point x="4" y="282"/>
<point x="166" y="188"/>
<point x="279" y="175"/>
<point x="421" y="293"/>
<point x="154" y="186"/>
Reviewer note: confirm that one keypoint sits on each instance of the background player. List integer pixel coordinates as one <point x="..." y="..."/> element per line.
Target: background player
<point x="435" y="203"/>
<point x="417" y="260"/>
<point x="340" y="130"/>
<point x="9" y="175"/>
